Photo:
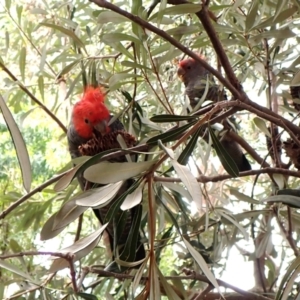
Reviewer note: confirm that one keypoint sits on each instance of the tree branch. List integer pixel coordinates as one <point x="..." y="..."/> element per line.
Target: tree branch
<point x="206" y="179"/>
<point x="30" y="194"/>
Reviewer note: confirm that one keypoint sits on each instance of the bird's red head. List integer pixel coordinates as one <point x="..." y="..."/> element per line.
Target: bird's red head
<point x="90" y="113"/>
<point x="188" y="68"/>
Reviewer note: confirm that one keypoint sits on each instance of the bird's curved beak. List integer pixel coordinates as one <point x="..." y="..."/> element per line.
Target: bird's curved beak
<point x="180" y="72"/>
<point x="102" y="127"/>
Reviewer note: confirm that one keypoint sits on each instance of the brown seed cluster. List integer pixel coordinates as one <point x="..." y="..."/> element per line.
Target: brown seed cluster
<point x="105" y="142"/>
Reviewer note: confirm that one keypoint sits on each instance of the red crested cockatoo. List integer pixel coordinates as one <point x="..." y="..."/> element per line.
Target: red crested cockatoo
<point x="194" y="76"/>
<point x="90" y="134"/>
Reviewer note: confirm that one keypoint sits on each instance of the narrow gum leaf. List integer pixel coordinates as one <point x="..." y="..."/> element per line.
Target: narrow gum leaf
<point x="280" y="5"/>
<point x="171" y="118"/>
<point x="79" y="249"/>
<point x="65" y="31"/>
<point x="188" y="8"/>
<point x="242" y="196"/>
<point x="280" y="180"/>
<point x="170" y="293"/>
<point x="290" y="192"/>
<point x="170" y="135"/>
<point x="106" y="172"/>
<point x="226" y="160"/>
<point x="292" y="201"/>
<point x="133" y="198"/>
<point x="111" y="17"/>
<point x="123" y="145"/>
<point x="202" y="264"/>
<point x="128" y="254"/>
<point x="62" y="183"/>
<point x="186" y="153"/>
<point x="234" y="222"/>
<point x="190" y="182"/>
<point x="261" y="124"/>
<point x="287" y="276"/>
<point x="116" y="37"/>
<point x="19" y="145"/>
<point x="15" y="270"/>
<point x="48" y="232"/>
<point x="252" y="14"/>
<point x="154" y="283"/>
<point x="22" y="62"/>
<point x="67" y="214"/>
<point x="96" y="197"/>
<point x="167" y="150"/>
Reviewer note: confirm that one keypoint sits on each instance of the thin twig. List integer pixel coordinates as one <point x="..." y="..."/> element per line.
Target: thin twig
<point x="33" y="98"/>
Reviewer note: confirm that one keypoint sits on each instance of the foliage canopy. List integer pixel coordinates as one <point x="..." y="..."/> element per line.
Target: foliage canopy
<point x="197" y="211"/>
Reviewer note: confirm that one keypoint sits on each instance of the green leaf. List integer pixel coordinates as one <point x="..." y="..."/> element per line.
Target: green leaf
<point x="41" y="86"/>
<point x="190" y="182"/>
<point x="170" y="293"/>
<point x="99" y="196"/>
<point x="167" y="150"/>
<point x="69" y="212"/>
<point x="111" y="17"/>
<point x="252" y="14"/>
<point x="128" y="254"/>
<point x="116" y="79"/>
<point x="69" y="67"/>
<point x="172" y="118"/>
<point x="170" y="135"/>
<point x="182" y="30"/>
<point x="289" y="200"/>
<point x="70" y="33"/>
<point x="133" y="198"/>
<point x="67" y="178"/>
<point x="202" y="264"/>
<point x="48" y="232"/>
<point x="284" y="287"/>
<point x="290" y="192"/>
<point x="19" y="145"/>
<point x="280" y="180"/>
<point x="106" y="172"/>
<point x="22" y="62"/>
<point x="242" y="197"/>
<point x="87" y="296"/>
<point x="283" y="16"/>
<point x="181" y="9"/>
<point x="15" y="270"/>
<point x="233" y="221"/>
<point x="279" y="7"/>
<point x="39" y="11"/>
<point x="226" y="160"/>
<point x="261" y="125"/>
<point x="280" y="34"/>
<point x="19" y="10"/>
<point x="7" y="4"/>
<point x="79" y="249"/>
<point x="117" y="37"/>
<point x="130" y="64"/>
<point x="188" y="150"/>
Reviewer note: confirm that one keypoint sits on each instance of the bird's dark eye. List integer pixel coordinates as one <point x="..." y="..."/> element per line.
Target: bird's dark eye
<point x="188" y="67"/>
<point x="86" y="121"/>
